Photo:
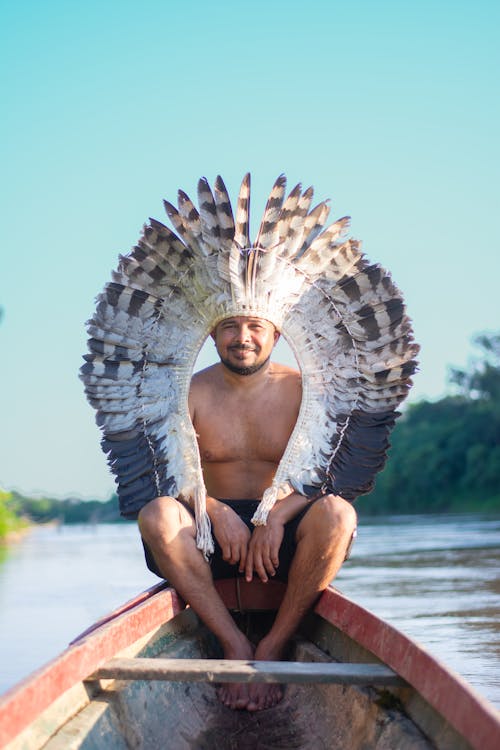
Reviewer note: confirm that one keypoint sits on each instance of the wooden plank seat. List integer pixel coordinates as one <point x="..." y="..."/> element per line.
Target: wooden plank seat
<point x="225" y="670"/>
<point x="242" y="596"/>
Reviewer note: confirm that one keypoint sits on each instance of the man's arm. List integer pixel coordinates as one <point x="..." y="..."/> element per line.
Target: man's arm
<point x="230" y="531"/>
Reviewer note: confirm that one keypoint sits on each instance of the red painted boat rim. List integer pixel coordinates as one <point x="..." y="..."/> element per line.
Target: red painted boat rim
<point x="23" y="703"/>
<point x="475" y="718"/>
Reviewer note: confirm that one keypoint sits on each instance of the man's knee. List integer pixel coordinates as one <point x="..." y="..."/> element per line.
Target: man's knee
<point x="163" y="518"/>
<point x="332" y="516"/>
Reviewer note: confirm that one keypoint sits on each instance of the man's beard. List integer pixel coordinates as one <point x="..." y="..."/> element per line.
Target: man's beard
<point x="244" y="370"/>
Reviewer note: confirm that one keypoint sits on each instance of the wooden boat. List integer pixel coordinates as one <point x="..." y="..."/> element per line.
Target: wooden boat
<point x="144" y="677"/>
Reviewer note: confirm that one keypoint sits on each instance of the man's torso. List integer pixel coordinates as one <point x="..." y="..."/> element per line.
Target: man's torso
<point x="243" y="429"/>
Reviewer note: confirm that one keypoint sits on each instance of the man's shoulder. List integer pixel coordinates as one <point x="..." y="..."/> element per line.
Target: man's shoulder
<point x="203" y="384"/>
<point x="206" y="377"/>
<point x="284" y="372"/>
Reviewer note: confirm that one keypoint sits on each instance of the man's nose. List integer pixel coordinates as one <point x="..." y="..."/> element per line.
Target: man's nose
<point x="243" y="333"/>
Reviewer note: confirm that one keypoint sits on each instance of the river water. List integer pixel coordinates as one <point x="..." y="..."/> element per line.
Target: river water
<point x="436" y="578"/>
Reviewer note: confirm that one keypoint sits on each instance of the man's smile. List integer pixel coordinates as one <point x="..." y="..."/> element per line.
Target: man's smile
<point x="242" y="350"/>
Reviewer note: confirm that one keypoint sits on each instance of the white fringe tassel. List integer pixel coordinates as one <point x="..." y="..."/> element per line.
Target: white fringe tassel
<point x="267" y="503"/>
<point x="204" y="539"/>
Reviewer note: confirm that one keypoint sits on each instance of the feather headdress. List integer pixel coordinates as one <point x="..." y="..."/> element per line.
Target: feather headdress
<point x="342" y="316"/>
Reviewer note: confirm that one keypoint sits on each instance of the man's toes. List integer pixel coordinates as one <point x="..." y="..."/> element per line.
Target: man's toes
<point x="241" y="701"/>
<point x="253" y="699"/>
<point x="271" y="698"/>
<point x="233" y="696"/>
<point x="222" y="694"/>
<point x="258" y="697"/>
<point x="252" y="706"/>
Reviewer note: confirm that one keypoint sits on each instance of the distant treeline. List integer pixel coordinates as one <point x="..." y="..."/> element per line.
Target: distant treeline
<point x="18" y="511"/>
<point x="70" y="510"/>
<point x="10" y="522"/>
<point x="445" y="457"/>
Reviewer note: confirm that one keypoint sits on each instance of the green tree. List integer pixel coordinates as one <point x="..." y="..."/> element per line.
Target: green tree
<point x="445" y="455"/>
<point x="9" y="521"/>
<point x="482" y="378"/>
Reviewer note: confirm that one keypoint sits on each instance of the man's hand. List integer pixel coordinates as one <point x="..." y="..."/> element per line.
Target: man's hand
<point x="230" y="531"/>
<point x="263" y="550"/>
<point x="264" y="547"/>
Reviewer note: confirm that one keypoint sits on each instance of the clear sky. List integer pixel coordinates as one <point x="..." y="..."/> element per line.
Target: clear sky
<point x="391" y="109"/>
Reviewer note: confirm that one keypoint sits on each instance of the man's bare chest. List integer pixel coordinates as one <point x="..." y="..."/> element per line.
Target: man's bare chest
<point x="236" y="432"/>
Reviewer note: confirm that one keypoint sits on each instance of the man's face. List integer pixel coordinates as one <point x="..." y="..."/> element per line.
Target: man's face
<point x="245" y="344"/>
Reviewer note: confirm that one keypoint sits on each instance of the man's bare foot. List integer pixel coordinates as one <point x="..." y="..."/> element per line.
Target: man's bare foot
<point x="255" y="696"/>
<point x="265" y="695"/>
<point x="235" y="695"/>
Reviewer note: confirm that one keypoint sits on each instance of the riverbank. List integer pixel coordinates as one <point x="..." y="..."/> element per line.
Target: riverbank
<point x="11" y="537"/>
<point x="12" y="524"/>
<point x="68" y="510"/>
<point x="19" y="534"/>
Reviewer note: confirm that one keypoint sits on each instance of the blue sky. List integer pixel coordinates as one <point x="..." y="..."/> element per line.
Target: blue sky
<point x="390" y="109"/>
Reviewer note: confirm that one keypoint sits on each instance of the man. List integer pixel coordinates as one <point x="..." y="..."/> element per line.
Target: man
<point x="243" y="410"/>
<point x="348" y="324"/>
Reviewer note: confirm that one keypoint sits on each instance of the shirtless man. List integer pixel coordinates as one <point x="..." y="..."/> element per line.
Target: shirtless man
<point x="244" y="410"/>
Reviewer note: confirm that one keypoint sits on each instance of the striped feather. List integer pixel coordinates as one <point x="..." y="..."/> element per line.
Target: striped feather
<point x="313" y="224"/>
<point x="268" y="234"/>
<point x="285" y="229"/>
<point x="321" y="251"/>
<point x="224" y="214"/>
<point x="210" y="229"/>
<point x="242" y="222"/>
<point x="191" y="221"/>
<point x="296" y="224"/>
<point x="190" y="234"/>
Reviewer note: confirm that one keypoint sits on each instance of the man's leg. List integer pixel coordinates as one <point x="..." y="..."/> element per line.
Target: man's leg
<point x="323" y="537"/>
<point x="170" y="532"/>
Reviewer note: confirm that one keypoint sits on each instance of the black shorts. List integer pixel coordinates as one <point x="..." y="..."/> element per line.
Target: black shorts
<point x="245" y="509"/>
